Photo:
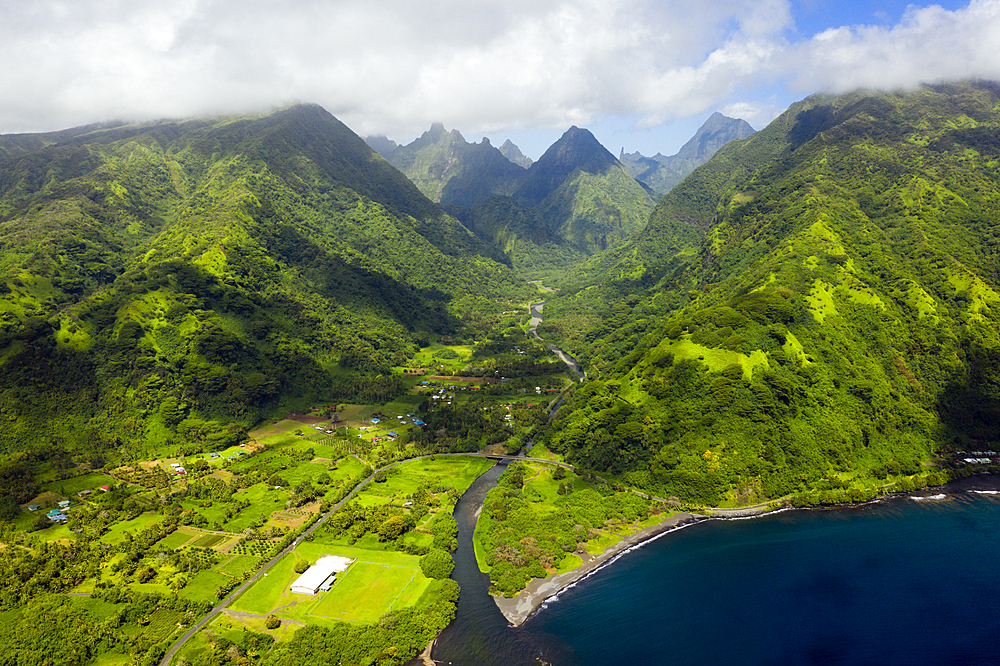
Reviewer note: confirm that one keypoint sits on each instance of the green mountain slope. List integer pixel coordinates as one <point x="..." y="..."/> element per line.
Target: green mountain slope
<point x="583" y="194"/>
<point x="161" y="281"/>
<point x="837" y="325"/>
<point x="661" y="173"/>
<point x="575" y="200"/>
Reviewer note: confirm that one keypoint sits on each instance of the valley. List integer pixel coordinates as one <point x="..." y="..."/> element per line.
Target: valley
<point x="233" y="346"/>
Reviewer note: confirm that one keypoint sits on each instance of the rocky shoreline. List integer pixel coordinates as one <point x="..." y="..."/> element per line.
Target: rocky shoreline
<point x="517" y="609"/>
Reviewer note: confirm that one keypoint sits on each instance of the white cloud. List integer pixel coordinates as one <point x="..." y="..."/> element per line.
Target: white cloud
<point x="758" y="114"/>
<point x="394" y="66"/>
<point x="384" y="65"/>
<point x="929" y="44"/>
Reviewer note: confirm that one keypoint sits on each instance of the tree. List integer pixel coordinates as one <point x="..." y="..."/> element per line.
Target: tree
<point x="301" y="566"/>
<point x="172" y="411"/>
<point x="392" y="528"/>
<point x="40" y="523"/>
<point x="272" y="622"/>
<point x="8" y="508"/>
<point x="437" y="564"/>
<point x="275" y="480"/>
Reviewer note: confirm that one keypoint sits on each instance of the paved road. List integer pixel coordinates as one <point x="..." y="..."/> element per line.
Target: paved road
<point x="253" y="579"/>
<point x="267" y="567"/>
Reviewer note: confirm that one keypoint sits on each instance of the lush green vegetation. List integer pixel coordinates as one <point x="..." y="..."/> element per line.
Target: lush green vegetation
<point x="164" y="287"/>
<point x="812" y="314"/>
<point x="576" y="200"/>
<point x="453" y="172"/>
<point x="539" y="516"/>
<point x="396" y="588"/>
<point x="835" y="330"/>
<point x="137" y="546"/>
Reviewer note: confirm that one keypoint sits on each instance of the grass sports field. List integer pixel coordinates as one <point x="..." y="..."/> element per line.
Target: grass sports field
<point x="377" y="581"/>
<point x="367" y="590"/>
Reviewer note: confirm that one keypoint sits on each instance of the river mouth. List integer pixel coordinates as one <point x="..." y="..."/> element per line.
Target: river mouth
<point x="480" y="634"/>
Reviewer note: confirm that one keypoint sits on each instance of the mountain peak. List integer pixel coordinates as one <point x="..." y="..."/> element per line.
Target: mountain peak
<point x="661" y="173"/>
<point x="576" y="149"/>
<point x="454" y="172"/>
<point x="715" y="132"/>
<point x="514" y="154"/>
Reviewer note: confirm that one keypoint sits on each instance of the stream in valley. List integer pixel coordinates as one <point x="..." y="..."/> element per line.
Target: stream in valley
<point x="536" y="319"/>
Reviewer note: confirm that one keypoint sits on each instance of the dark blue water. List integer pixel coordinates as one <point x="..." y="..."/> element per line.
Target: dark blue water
<point x="900" y="582"/>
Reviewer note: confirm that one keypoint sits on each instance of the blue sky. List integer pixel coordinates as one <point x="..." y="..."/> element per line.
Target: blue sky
<point x="641" y="74"/>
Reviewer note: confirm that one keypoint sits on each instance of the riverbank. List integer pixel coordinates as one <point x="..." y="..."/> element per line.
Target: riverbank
<point x="518" y="609"/>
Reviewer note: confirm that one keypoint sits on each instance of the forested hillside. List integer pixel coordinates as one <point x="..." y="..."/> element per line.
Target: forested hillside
<point x="835" y="325"/>
<point x="179" y="280"/>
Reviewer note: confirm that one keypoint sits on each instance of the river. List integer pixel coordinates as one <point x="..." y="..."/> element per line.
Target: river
<point x="480" y="634"/>
<point x="536" y="319"/>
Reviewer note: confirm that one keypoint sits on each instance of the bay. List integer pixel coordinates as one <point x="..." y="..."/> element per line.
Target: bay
<point x="905" y="581"/>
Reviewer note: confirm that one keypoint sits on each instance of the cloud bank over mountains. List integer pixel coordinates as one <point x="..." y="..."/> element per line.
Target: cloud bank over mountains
<point x="393" y="67"/>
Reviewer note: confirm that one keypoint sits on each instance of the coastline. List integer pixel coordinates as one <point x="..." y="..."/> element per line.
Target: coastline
<point x="518" y="609"/>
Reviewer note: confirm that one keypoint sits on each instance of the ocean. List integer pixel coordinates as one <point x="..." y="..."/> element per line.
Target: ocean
<point x="910" y="580"/>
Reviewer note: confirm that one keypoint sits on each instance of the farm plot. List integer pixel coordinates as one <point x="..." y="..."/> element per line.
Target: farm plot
<point x="90" y="481"/>
<point x="177" y="538"/>
<point x="209" y="540"/>
<point x="456" y="471"/>
<point x="117" y="532"/>
<point x="240" y="565"/>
